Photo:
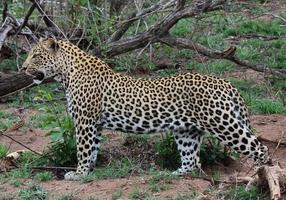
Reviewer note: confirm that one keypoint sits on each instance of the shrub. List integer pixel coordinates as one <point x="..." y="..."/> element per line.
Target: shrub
<point x="167" y="154"/>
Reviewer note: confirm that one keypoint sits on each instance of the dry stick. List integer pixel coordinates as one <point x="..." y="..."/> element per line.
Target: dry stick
<point x="214" y="182"/>
<point x="20" y="143"/>
<point x="180" y="4"/>
<point x="14" y="128"/>
<point x="54" y="168"/>
<point x="46" y="18"/>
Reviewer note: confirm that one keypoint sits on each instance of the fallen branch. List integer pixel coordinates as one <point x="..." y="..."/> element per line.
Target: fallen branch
<point x="276" y="179"/>
<point x="13" y="83"/>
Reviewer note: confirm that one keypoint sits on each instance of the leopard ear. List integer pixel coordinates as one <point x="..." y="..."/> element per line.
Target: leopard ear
<point x="50" y="44"/>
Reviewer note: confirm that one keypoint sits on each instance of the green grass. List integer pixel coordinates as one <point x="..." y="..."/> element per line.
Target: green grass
<point x="140" y="194"/>
<point x="160" y="180"/>
<point x="3" y="150"/>
<point x="36" y="97"/>
<point x="212" y="67"/>
<point x="182" y="28"/>
<point x="8" y="65"/>
<point x="257" y="27"/>
<point x="267" y="106"/>
<point x="117" y="194"/>
<point x="188" y="195"/>
<point x="44" y="176"/>
<point x="212" y="151"/>
<point x="116" y="169"/>
<point x="17" y="183"/>
<point x="257" y="97"/>
<point x="34" y="191"/>
<point x="67" y="197"/>
<point x="240" y="193"/>
<point x="6" y="120"/>
<point x="24" y="171"/>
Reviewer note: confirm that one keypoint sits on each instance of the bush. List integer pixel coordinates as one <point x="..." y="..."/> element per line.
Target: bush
<point x="62" y="151"/>
<point x="212" y="151"/>
<point x="167" y="155"/>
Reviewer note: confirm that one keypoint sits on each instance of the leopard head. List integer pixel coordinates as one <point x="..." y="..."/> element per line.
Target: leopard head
<point x="42" y="60"/>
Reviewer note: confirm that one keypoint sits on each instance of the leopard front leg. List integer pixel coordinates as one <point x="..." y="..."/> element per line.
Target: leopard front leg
<point x="88" y="142"/>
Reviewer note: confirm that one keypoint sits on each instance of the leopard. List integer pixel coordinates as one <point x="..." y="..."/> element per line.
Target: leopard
<point x="188" y="105"/>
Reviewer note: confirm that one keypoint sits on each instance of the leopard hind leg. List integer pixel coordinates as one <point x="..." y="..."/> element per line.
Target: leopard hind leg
<point x="188" y="144"/>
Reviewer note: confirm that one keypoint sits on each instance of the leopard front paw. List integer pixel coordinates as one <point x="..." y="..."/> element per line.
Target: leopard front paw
<point x="73" y="176"/>
<point x="179" y="172"/>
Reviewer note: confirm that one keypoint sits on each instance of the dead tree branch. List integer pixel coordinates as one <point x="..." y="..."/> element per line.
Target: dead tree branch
<point x="26" y="18"/>
<point x="159" y="29"/>
<point x="5" y="10"/>
<point x="48" y="21"/>
<point x="123" y="26"/>
<point x="4" y="31"/>
<point x="12" y="83"/>
<point x="228" y="54"/>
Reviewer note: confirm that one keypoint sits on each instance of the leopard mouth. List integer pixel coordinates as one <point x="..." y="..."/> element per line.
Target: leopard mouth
<point x="38" y="76"/>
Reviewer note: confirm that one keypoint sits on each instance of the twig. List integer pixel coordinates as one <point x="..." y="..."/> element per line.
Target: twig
<point x="277" y="16"/>
<point x="215" y="182"/>
<point x="280" y="140"/>
<point x="160" y="29"/>
<point x="20" y="143"/>
<point x="15" y="127"/>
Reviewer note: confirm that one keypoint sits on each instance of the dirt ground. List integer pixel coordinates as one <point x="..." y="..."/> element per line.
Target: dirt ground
<point x="268" y="127"/>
